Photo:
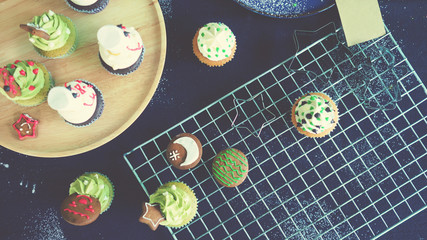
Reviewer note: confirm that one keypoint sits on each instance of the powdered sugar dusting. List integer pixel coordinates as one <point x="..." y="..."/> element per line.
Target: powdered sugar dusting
<point x="285" y="8"/>
<point x="43" y="225"/>
<point x="166" y="6"/>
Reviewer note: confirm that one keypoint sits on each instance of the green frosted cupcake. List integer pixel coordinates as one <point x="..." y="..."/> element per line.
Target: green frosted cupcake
<point x="25" y="82"/>
<point x="173" y="205"/>
<point x="95" y="185"/>
<point x="53" y="35"/>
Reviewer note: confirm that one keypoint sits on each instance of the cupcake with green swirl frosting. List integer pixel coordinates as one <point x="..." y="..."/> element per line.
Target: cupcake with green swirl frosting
<point x="173" y="205"/>
<point x="214" y="44"/>
<point x="95" y="185"/>
<point x="26" y="83"/>
<point x="315" y="115"/>
<point x="52" y="35"/>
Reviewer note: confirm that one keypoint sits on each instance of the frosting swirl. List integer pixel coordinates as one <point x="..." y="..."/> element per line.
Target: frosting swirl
<point x="176" y="204"/>
<point x="52" y="24"/>
<point x="22" y="80"/>
<point x="314" y="114"/>
<point x="216" y="41"/>
<point x="94" y="185"/>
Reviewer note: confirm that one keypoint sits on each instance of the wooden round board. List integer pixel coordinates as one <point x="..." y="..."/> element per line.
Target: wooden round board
<point x="125" y="97"/>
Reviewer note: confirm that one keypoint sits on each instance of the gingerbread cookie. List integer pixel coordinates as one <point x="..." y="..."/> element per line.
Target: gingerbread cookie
<point x="230" y="167"/>
<point x="151" y="215"/>
<point x="80" y="210"/>
<point x="26" y="126"/>
<point x="184" y="151"/>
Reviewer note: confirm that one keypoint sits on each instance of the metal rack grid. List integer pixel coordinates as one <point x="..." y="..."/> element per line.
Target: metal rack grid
<point x="364" y="179"/>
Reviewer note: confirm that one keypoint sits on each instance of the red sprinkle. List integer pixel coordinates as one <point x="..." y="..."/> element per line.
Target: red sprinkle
<point x="31" y="88"/>
<point x="35" y="71"/>
<point x="17" y="61"/>
<point x="12" y="66"/>
<point x="31" y="63"/>
<point x="22" y="72"/>
<point x="11" y="78"/>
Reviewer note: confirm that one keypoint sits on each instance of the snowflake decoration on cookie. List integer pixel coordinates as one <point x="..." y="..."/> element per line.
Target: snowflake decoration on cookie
<point x="174" y="155"/>
<point x="26" y="126"/>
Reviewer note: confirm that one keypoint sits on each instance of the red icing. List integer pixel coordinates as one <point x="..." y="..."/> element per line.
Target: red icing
<point x="32" y="123"/>
<point x="31" y="63"/>
<point x="135" y="49"/>
<point x="83" y="201"/>
<point x="73" y="204"/>
<point x="36" y="70"/>
<point x="93" y="96"/>
<point x="90" y="209"/>
<point x="77" y="213"/>
<point x="88" y="198"/>
<point x="22" y="72"/>
<point x="31" y="88"/>
<point x="17" y="61"/>
<point x="12" y="66"/>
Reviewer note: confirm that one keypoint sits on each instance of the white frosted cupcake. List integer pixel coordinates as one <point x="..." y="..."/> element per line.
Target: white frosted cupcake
<point x="87" y="6"/>
<point x="79" y="102"/>
<point x="121" y="50"/>
<point x="214" y="44"/>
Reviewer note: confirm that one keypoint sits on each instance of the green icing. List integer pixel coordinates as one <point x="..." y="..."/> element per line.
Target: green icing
<point x="55" y="26"/>
<point x="235" y="174"/>
<point x="177" y="202"/>
<point x="95" y="185"/>
<point x="25" y="76"/>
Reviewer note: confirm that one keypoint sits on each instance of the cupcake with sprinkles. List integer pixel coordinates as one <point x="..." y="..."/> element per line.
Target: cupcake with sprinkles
<point x="121" y="50"/>
<point x="87" y="6"/>
<point x="78" y="102"/>
<point x="315" y="115"/>
<point x="26" y="83"/>
<point x="214" y="44"/>
<point x="52" y="35"/>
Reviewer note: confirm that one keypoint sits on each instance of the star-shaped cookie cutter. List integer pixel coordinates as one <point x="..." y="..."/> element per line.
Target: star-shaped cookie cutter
<point x="362" y="65"/>
<point x="238" y="103"/>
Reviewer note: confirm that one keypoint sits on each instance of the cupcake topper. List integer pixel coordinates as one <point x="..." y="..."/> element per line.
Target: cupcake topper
<point x="35" y="31"/>
<point x="112" y="38"/>
<point x="151" y="215"/>
<point x="61" y="99"/>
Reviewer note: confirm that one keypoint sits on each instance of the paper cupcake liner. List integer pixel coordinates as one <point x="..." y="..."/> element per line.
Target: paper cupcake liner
<point x="69" y="52"/>
<point x="187" y="189"/>
<point x="98" y="7"/>
<point x="27" y="103"/>
<point x="123" y="72"/>
<point x="98" y="112"/>
<point x="327" y="131"/>
<point x="207" y="61"/>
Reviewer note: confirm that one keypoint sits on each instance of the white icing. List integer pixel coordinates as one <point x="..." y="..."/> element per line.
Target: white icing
<point x="190" y="145"/>
<point x="174" y="155"/>
<point x="74" y="109"/>
<point x="84" y="2"/>
<point x="117" y="50"/>
<point x="216" y="41"/>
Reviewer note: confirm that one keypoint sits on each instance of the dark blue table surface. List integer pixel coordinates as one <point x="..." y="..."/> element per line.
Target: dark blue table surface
<point x="31" y="189"/>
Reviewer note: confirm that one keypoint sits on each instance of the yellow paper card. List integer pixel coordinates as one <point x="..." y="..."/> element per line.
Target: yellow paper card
<point x="361" y="20"/>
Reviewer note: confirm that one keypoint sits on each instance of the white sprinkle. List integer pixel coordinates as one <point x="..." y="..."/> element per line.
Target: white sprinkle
<point x="32" y="40"/>
<point x="101" y="186"/>
<point x="85" y="182"/>
<point x="34" y="189"/>
<point x="105" y="198"/>
<point x="165" y="193"/>
<point x="26" y="185"/>
<point x="173" y="187"/>
<point x="96" y="175"/>
<point x="4" y="165"/>
<point x="50" y="44"/>
<point x="67" y="31"/>
<point x="22" y="181"/>
<point x="51" y="13"/>
<point x="57" y="33"/>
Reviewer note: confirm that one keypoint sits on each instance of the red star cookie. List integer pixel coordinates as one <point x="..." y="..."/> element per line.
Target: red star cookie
<point x="26" y="126"/>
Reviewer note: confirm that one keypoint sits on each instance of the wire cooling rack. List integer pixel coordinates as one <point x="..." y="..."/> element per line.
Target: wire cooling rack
<point x="364" y="179"/>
